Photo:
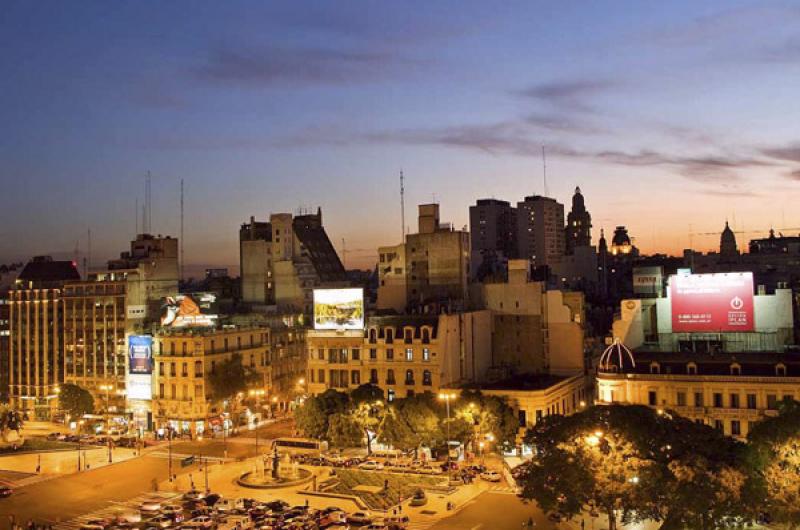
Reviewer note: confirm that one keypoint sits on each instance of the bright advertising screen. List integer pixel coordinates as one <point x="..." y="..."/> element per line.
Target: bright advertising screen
<point x="712" y="302"/>
<point x="140" y="354"/>
<point x="194" y="310"/>
<point x="139" y="386"/>
<point x="338" y="309"/>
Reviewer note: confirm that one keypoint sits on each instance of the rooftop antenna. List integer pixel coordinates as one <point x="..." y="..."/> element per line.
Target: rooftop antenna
<point x="136" y="212"/>
<point x="544" y="170"/>
<point x="87" y="263"/>
<point x="181" y="242"/>
<point x="344" y="255"/>
<point x="149" y="203"/>
<point x="402" y="209"/>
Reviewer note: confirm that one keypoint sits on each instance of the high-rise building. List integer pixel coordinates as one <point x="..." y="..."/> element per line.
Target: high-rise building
<point x="284" y="260"/>
<point x="579" y="224"/>
<point x="95" y="329"/>
<point x="540" y="230"/>
<point x="37" y="335"/>
<point x="431" y="266"/>
<point x="8" y="276"/>
<point x="493" y="235"/>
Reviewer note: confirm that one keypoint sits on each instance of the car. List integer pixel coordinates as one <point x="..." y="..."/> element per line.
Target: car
<point x="53" y="436"/>
<point x="556" y="517"/>
<point x="370" y="465"/>
<point x="376" y="526"/>
<point x="161" y="521"/>
<point x="5" y="491"/>
<point x="193" y="495"/>
<point x="88" y="526"/>
<point x="202" y="521"/>
<point x="170" y="509"/>
<point x="277" y="506"/>
<point x="331" y="518"/>
<point x="129" y="517"/>
<point x="150" y="505"/>
<point x="359" y="518"/>
<point x="491" y="476"/>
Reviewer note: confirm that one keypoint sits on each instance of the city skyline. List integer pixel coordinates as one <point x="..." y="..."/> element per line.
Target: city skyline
<point x="671" y="119"/>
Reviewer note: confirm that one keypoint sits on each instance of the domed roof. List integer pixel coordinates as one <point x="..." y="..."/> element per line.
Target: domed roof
<point x="621" y="237"/>
<point x="727" y="241"/>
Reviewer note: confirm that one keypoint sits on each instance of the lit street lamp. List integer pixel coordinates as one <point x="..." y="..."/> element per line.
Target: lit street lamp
<point x="257" y="394"/>
<point x="447" y="398"/>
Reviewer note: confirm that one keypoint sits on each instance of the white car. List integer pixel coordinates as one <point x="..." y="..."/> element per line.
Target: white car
<point x="161" y="521"/>
<point x="193" y="495"/>
<point x="370" y="465"/>
<point x="337" y="517"/>
<point x="171" y="509"/>
<point x="491" y="476"/>
<point x="201" y="521"/>
<point x="150" y="506"/>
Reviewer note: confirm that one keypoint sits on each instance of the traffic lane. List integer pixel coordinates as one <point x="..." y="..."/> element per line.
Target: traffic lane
<point x="66" y="497"/>
<point x="497" y="511"/>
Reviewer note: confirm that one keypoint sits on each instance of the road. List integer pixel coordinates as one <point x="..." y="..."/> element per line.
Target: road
<point x="496" y="511"/>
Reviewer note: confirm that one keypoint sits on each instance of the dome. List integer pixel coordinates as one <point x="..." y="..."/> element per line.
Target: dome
<point x="621" y="237"/>
<point x="617" y="357"/>
<point x="727" y="242"/>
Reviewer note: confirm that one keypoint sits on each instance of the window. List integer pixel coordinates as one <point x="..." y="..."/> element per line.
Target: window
<point x="409" y="377"/>
<point x="681" y="398"/>
<point x="238" y="343"/>
<point x="652" y="398"/>
<point x="718" y="425"/>
<point x="173" y="391"/>
<point x="212" y="346"/>
<point x="198" y="391"/>
<point x="331" y="355"/>
<point x="736" y="428"/>
<point x="426" y="336"/>
<point x="172" y="348"/>
<point x="389" y="336"/>
<point x="373" y="376"/>
<point x="198" y="369"/>
<point x="161" y="368"/>
<point x="426" y="354"/>
<point x="409" y="354"/>
<point x="161" y="390"/>
<point x="736" y="369"/>
<point x="343" y="355"/>
<point x="373" y="354"/>
<point x="355" y="377"/>
<point x="718" y="400"/>
<point x="226" y="343"/>
<point x="355" y="354"/>
<point x="426" y="378"/>
<point x="655" y="368"/>
<point x="185" y="391"/>
<point x="390" y="395"/>
<point x="408" y="336"/>
<point x="772" y="401"/>
<point x="172" y="369"/>
<point x="691" y="369"/>
<point x="389" y="354"/>
<point x="390" y="377"/>
<point x="373" y="336"/>
<point x="185" y="370"/>
<point x="321" y="375"/>
<point x="734" y="401"/>
<point x="698" y="399"/>
<point x="751" y="401"/>
<point x="780" y="370"/>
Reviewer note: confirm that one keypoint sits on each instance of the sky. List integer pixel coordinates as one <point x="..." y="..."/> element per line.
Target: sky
<point x="672" y="117"/>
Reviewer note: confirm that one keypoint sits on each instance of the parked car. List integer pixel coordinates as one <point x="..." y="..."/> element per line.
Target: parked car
<point x="150" y="505"/>
<point x="359" y="518"/>
<point x="419" y="498"/>
<point x="331" y="518"/>
<point x="370" y="465"/>
<point x="5" y="491"/>
<point x="556" y="517"/>
<point x="491" y="476"/>
<point x="161" y="521"/>
<point x="193" y="495"/>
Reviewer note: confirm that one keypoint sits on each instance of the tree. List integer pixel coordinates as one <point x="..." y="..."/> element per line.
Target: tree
<point x="490" y="415"/>
<point x="75" y="400"/>
<point x="311" y="418"/>
<point x="396" y="432"/>
<point x="231" y="377"/>
<point x="369" y="416"/>
<point x="774" y="465"/>
<point x="366" y="393"/>
<point x="420" y="413"/>
<point x="343" y="431"/>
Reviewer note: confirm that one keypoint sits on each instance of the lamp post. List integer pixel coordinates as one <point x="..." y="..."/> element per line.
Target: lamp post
<point x="169" y="450"/>
<point x="257" y="394"/>
<point x="447" y="398"/>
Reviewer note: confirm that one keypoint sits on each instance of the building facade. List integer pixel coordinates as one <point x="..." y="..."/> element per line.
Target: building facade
<point x="493" y="236"/>
<point x="184" y="398"/>
<point x="727" y="391"/>
<point x="578" y="232"/>
<point x="540" y="230"/>
<point x="36" y="321"/>
<point x="431" y="266"/>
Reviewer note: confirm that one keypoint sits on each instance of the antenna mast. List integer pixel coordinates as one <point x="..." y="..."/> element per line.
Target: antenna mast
<point x="344" y="255"/>
<point x="402" y="209"/>
<point x="544" y="170"/>
<point x="136" y="212"/>
<point x="88" y="261"/>
<point x="181" y="242"/>
<point x="149" y="203"/>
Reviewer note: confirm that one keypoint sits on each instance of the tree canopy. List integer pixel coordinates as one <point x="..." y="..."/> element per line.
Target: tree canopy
<point x="75" y="400"/>
<point x="230" y="377"/>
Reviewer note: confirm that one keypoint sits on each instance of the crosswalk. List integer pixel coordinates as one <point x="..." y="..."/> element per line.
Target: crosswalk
<point x="114" y="509"/>
<point x="502" y="488"/>
<point x="15" y="479"/>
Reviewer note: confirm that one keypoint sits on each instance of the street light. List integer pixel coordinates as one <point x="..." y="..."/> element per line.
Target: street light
<point x="257" y="393"/>
<point x="447" y="398"/>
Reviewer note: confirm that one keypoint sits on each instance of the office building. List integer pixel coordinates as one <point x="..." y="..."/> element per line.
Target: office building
<point x="493" y="236"/>
<point x="284" y="260"/>
<point x="36" y="324"/>
<point x="540" y="230"/>
<point x="8" y="276"/>
<point x="430" y="267"/>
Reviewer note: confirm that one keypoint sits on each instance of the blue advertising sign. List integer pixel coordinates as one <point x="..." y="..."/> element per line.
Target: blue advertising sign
<point x="140" y="354"/>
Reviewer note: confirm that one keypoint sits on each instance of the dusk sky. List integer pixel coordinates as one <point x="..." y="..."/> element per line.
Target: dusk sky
<point x="668" y="115"/>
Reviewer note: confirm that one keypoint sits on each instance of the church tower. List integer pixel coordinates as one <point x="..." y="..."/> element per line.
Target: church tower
<point x="579" y="224"/>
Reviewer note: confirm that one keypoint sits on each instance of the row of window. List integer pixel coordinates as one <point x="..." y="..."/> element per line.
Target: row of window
<point x="344" y="378"/>
<point x="213" y="349"/>
<point x="718" y="400"/>
<point x="198" y="367"/>
<point x="408" y="335"/>
<point x="735" y="369"/>
<point x="173" y="392"/>
<point x="341" y="355"/>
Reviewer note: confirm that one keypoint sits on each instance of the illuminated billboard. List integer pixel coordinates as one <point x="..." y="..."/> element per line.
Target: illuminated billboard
<point x="712" y="302"/>
<point x="139" y="386"/>
<point x="194" y="310"/>
<point x="338" y="309"/>
<point x="140" y="354"/>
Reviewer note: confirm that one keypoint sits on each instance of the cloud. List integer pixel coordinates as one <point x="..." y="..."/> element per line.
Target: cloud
<point x="273" y="65"/>
<point x="716" y="168"/>
<point x="730" y="193"/>
<point x="789" y="152"/>
<point x="567" y="95"/>
<point x="794" y="175"/>
<point x="562" y="123"/>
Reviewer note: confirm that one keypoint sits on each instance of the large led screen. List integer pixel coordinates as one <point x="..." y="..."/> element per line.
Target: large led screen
<point x="338" y="309"/>
<point x="712" y="302"/>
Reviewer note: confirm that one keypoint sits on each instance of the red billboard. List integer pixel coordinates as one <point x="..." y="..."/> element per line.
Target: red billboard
<point x="712" y="302"/>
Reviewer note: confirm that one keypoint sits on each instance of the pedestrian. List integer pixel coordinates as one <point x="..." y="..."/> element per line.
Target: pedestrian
<point x="530" y="522"/>
<point x="306" y="503"/>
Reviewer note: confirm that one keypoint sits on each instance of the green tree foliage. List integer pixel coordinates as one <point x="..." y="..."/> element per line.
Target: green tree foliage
<point x="774" y="464"/>
<point x="10" y="420"/>
<point x="422" y="415"/>
<point x="366" y="393"/>
<point x="369" y="416"/>
<point x="75" y="400"/>
<point x="631" y="462"/>
<point x="343" y="431"/>
<point x="396" y="432"/>
<point x="231" y="376"/>
<point x="490" y="415"/>
<point x="313" y="416"/>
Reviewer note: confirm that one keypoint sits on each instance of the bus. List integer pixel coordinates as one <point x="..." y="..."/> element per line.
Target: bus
<point x="300" y="445"/>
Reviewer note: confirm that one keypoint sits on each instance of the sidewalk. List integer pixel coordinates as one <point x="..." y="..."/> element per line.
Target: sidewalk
<point x="57" y="463"/>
